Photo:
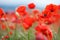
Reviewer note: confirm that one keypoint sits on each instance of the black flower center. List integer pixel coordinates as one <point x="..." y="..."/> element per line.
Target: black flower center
<point x="52" y="10"/>
<point x="45" y="15"/>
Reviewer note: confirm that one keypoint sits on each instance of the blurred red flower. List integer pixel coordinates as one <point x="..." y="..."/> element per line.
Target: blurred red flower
<point x="44" y="30"/>
<point x="1" y="12"/>
<point x="3" y="27"/>
<point x="25" y="26"/>
<point x="6" y="36"/>
<point x="52" y="8"/>
<point x="21" y="10"/>
<point x="12" y="27"/>
<point x="40" y="36"/>
<point x="10" y="33"/>
<point x="31" y="6"/>
<point x="28" y="20"/>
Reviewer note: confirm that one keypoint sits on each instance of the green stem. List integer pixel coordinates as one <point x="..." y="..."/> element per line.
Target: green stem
<point x="28" y="36"/>
<point x="15" y="33"/>
<point x="8" y="30"/>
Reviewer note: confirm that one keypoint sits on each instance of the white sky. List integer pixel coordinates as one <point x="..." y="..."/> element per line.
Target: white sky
<point x="15" y="2"/>
<point x="39" y="3"/>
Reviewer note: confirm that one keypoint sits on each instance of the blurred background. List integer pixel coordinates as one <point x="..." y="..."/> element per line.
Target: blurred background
<point x="12" y="4"/>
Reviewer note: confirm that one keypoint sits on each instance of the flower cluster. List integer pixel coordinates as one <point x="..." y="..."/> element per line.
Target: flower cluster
<point x="26" y="22"/>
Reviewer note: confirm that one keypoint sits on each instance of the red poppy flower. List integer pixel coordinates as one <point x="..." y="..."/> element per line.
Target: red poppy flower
<point x="40" y="36"/>
<point x="6" y="36"/>
<point x="31" y="5"/>
<point x="43" y="18"/>
<point x="12" y="27"/>
<point x="48" y="18"/>
<point x="44" y="30"/>
<point x="21" y="10"/>
<point x="10" y="33"/>
<point x="25" y="26"/>
<point x="28" y="20"/>
<point x="45" y="13"/>
<point x="49" y="21"/>
<point x="56" y="16"/>
<point x="51" y="8"/>
<point x="13" y="18"/>
<point x="3" y="27"/>
<point x="14" y="15"/>
<point x="39" y="28"/>
<point x="1" y="12"/>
